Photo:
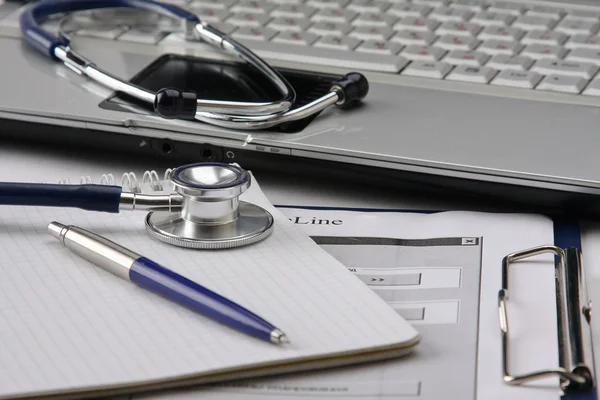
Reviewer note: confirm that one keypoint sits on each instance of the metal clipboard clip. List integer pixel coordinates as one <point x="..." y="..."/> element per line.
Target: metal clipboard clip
<point x="574" y="313"/>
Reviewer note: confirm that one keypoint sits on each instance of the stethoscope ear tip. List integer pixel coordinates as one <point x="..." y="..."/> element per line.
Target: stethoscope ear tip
<point x="173" y="103"/>
<point x="352" y="88"/>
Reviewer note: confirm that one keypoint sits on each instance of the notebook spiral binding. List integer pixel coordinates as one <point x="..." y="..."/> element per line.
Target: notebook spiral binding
<point x="129" y="181"/>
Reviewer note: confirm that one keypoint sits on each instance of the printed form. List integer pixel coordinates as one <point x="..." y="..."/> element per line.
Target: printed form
<point x="442" y="273"/>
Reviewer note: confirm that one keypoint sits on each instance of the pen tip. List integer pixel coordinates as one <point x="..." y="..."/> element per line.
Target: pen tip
<point x="278" y="337"/>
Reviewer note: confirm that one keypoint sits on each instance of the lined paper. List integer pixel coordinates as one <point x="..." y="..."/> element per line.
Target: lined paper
<point x="67" y="325"/>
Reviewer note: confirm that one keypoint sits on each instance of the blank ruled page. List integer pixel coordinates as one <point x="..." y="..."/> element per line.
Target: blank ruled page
<point x="67" y="325"/>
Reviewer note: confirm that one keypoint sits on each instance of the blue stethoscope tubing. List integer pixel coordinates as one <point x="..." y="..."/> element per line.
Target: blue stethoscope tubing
<point x="47" y="43"/>
<point x="180" y="103"/>
<point x="89" y="197"/>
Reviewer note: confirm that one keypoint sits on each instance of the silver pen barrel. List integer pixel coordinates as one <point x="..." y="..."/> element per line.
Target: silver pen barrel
<point x="96" y="249"/>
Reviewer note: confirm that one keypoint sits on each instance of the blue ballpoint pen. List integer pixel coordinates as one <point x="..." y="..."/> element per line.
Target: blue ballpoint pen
<point x="156" y="278"/>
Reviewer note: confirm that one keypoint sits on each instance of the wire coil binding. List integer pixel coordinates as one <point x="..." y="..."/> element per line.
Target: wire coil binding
<point x="129" y="181"/>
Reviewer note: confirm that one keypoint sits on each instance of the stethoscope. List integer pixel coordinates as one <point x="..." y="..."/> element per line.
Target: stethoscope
<point x="203" y="212"/>
<point x="176" y="103"/>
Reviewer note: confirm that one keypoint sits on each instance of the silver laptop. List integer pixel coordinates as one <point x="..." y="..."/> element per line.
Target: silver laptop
<point x="496" y="97"/>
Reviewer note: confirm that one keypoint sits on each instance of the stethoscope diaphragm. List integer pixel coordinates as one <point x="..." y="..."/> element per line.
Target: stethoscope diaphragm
<point x="211" y="216"/>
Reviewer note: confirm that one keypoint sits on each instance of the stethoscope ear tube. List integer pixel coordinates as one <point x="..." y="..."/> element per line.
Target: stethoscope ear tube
<point x="45" y="42"/>
<point x="176" y="103"/>
<point x="87" y="197"/>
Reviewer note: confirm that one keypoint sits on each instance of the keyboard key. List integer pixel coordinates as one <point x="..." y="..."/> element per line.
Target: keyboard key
<point x="293" y="11"/>
<point x="540" y="51"/>
<point x="471" y="5"/>
<point x="422" y="53"/>
<point x="458" y="29"/>
<point x="452" y="42"/>
<point x="428" y="69"/>
<point x="372" y="19"/>
<point x="343" y="59"/>
<point x="593" y="89"/>
<point x="561" y="67"/>
<point x="433" y="3"/>
<point x="167" y="24"/>
<point x="248" y="19"/>
<point x="487" y="18"/>
<point x="494" y="47"/>
<point x="334" y="15"/>
<point x="592" y="15"/>
<point x="500" y="33"/>
<point x="252" y="6"/>
<point x="222" y="4"/>
<point x="584" y="55"/>
<point x="409" y="10"/>
<point x="102" y="32"/>
<point x="50" y="25"/>
<point x="180" y="3"/>
<point x="379" y="47"/>
<point x="416" y="24"/>
<point x="289" y="24"/>
<point x="174" y="39"/>
<point x="519" y="79"/>
<point x="330" y="28"/>
<point x="529" y="23"/>
<point x="444" y="14"/>
<point x="297" y="38"/>
<point x="409" y="37"/>
<point x="506" y="7"/>
<point x="459" y="57"/>
<point x="211" y="15"/>
<point x="254" y="33"/>
<point x="577" y="27"/>
<point x="145" y="35"/>
<point x="373" y="6"/>
<point x="583" y="42"/>
<point x="514" y="63"/>
<point x="545" y="11"/>
<point x="327" y="3"/>
<point x="371" y="33"/>
<point x="562" y="83"/>
<point x="466" y="73"/>
<point x="337" y="43"/>
<point x="224" y="27"/>
<point x="544" y="37"/>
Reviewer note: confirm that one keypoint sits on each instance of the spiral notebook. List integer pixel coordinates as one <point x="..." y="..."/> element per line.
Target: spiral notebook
<point x="71" y="330"/>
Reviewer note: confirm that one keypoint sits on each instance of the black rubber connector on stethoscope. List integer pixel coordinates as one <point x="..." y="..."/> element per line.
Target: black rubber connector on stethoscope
<point x="353" y="87"/>
<point x="173" y="103"/>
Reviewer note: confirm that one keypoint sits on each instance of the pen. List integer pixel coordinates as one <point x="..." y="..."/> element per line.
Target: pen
<point x="149" y="275"/>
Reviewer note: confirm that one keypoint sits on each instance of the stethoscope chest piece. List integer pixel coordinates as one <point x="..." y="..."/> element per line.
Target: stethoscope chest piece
<point x="212" y="216"/>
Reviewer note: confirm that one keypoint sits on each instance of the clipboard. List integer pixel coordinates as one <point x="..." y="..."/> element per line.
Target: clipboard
<point x="574" y="312"/>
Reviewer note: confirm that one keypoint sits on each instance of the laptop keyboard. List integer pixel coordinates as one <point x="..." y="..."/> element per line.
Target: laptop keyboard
<point x="501" y="43"/>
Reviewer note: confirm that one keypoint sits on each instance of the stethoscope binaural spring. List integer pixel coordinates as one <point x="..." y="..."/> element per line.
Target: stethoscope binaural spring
<point x="203" y="212"/>
<point x="177" y="103"/>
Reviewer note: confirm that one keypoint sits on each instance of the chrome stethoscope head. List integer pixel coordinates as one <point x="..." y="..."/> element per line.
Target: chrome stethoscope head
<point x="202" y="212"/>
<point x="211" y="214"/>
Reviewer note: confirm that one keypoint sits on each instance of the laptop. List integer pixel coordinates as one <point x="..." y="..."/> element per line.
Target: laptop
<point x="496" y="98"/>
